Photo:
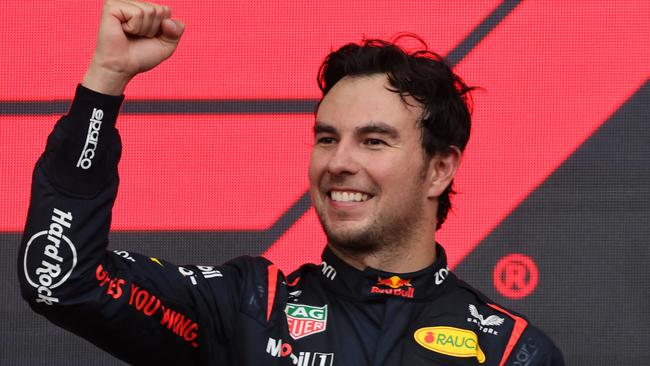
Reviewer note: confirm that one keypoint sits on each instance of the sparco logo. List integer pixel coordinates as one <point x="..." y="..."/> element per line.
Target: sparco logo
<point x="51" y="251"/>
<point x="88" y="152"/>
<point x="278" y="348"/>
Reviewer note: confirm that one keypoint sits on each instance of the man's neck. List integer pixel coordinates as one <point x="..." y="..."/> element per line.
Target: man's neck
<point x="411" y="258"/>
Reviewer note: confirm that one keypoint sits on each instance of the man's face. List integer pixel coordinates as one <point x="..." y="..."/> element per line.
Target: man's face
<point x="367" y="166"/>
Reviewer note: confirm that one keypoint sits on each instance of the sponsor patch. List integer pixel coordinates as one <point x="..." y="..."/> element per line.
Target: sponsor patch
<point x="124" y="254"/>
<point x="328" y="271"/>
<point x="206" y="272"/>
<point x="484" y="324"/>
<point x="304" y="320"/>
<point x="114" y="286"/>
<point x="526" y="353"/>
<point x="278" y="348"/>
<point x="441" y="275"/>
<point x="150" y="305"/>
<point x="50" y="257"/>
<point x="92" y="138"/>
<point x="294" y="295"/>
<point x="393" y="285"/>
<point x="450" y="341"/>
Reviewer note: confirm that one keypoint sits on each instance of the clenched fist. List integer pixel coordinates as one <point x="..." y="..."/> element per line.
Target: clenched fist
<point x="133" y="37"/>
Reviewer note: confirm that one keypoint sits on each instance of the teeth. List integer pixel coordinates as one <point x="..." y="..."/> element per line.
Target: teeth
<point x="348" y="196"/>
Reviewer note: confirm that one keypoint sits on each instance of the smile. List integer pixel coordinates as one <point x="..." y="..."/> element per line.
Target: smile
<point x="345" y="196"/>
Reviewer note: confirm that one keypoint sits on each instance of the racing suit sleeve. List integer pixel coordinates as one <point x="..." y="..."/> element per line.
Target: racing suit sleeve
<point x="535" y="349"/>
<point x="140" y="309"/>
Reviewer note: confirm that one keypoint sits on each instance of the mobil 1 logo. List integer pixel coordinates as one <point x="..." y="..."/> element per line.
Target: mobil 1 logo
<point x="279" y="348"/>
<point x="50" y="257"/>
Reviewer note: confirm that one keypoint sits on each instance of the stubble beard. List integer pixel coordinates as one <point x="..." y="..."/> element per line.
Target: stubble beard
<point x="386" y="232"/>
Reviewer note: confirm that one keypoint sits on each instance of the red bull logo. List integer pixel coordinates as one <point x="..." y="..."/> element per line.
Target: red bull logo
<point x="395" y="286"/>
<point x="393" y="282"/>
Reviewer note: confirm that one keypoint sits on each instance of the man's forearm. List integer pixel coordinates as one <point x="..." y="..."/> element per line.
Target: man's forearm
<point x="105" y="81"/>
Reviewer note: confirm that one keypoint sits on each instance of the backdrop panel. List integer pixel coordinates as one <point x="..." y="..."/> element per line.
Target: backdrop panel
<point x="553" y="210"/>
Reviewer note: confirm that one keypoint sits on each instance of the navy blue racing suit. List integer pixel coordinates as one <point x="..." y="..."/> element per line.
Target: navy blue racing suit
<point x="245" y="312"/>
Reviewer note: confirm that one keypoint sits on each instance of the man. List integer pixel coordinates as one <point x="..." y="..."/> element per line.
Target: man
<point x="389" y="133"/>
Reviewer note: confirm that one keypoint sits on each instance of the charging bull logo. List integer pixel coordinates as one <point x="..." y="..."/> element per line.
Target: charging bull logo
<point x="393" y="282"/>
<point x="396" y="286"/>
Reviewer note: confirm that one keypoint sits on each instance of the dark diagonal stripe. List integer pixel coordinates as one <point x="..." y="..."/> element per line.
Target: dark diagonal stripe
<point x="289" y="217"/>
<point x="212" y="246"/>
<point x="21" y="108"/>
<point x="482" y="30"/>
<point x="252" y="106"/>
<point x="586" y="228"/>
<point x="257" y="106"/>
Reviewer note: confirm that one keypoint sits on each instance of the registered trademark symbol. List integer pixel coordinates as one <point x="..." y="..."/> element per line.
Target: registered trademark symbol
<point x="515" y="276"/>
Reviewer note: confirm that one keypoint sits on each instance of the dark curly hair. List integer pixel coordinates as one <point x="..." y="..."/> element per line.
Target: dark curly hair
<point x="421" y="74"/>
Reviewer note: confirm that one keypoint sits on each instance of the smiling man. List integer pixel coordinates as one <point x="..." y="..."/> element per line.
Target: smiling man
<point x="374" y="188"/>
<point x="388" y="139"/>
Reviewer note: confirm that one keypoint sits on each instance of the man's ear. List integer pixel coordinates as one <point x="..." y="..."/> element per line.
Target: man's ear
<point x="442" y="169"/>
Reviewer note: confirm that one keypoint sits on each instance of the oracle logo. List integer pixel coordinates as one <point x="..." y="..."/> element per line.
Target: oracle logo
<point x="515" y="276"/>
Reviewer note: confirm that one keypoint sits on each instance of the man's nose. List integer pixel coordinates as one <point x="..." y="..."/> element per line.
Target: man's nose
<point x="343" y="160"/>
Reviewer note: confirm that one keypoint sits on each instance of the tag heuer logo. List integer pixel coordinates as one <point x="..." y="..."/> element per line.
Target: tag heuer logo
<point x="304" y="320"/>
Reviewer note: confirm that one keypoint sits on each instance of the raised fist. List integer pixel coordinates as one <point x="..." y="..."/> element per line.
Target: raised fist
<point x="133" y="37"/>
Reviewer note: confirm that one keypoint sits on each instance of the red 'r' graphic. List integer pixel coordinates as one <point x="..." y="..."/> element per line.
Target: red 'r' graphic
<point x="515" y="276"/>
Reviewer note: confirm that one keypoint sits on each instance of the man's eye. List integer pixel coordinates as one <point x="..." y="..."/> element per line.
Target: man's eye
<point x="325" y="140"/>
<point x="374" y="142"/>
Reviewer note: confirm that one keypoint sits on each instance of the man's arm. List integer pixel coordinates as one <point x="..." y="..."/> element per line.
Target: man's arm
<point x="142" y="310"/>
<point x="535" y="349"/>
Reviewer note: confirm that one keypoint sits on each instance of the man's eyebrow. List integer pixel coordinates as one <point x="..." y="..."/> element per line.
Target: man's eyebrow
<point x="379" y="127"/>
<point x="371" y="127"/>
<point x="322" y="127"/>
